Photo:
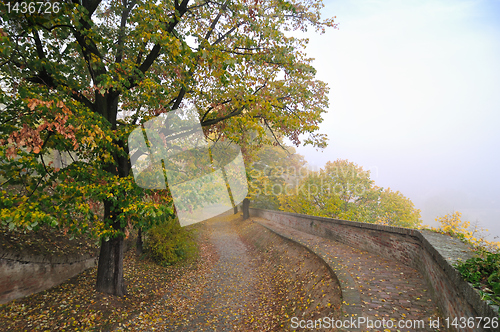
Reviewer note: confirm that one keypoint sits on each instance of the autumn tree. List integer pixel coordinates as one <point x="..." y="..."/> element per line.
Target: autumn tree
<point x="394" y="209"/>
<point x="273" y="170"/>
<point x="472" y="233"/>
<point x="81" y="77"/>
<point x="340" y="190"/>
<point x="308" y="197"/>
<point x="343" y="190"/>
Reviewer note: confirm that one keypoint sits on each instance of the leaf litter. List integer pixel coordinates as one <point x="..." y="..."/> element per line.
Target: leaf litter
<point x="244" y="279"/>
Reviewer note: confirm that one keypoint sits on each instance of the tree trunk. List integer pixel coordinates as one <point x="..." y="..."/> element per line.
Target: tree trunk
<point x="139" y="242"/>
<point x="246" y="208"/>
<point x="110" y="268"/>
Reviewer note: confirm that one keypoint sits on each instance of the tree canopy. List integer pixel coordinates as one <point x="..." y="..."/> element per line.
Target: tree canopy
<point x="343" y="190"/>
<point x="273" y="170"/>
<point x="81" y="78"/>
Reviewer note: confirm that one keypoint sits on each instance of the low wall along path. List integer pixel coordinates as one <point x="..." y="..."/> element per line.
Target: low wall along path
<point x="22" y="276"/>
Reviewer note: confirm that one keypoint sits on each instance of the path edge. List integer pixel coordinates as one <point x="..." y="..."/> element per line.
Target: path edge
<point x="351" y="298"/>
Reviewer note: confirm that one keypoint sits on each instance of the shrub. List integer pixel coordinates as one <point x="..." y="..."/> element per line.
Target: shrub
<point x="483" y="272"/>
<point x="168" y="243"/>
<point x="453" y="225"/>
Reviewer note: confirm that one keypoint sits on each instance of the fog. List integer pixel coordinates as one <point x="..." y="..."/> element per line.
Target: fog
<point x="415" y="98"/>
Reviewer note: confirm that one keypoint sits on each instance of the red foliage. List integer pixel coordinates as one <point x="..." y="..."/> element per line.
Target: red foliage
<point x="31" y="139"/>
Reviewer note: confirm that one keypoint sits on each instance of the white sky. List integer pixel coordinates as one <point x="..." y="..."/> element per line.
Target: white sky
<point x="415" y="98"/>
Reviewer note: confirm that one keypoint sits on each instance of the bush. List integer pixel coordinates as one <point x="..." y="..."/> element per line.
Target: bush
<point x="168" y="243"/>
<point x="483" y="272"/>
<point x="453" y="225"/>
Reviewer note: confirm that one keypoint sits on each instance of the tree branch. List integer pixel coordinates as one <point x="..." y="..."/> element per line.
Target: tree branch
<point x="211" y="108"/>
<point x="275" y="138"/>
<point x="179" y="98"/>
<point x="155" y="52"/>
<point x="156" y="49"/>
<point x="221" y="38"/>
<point x="230" y="115"/>
<point x="215" y="21"/>
<point x="90" y="5"/>
<point x="123" y="23"/>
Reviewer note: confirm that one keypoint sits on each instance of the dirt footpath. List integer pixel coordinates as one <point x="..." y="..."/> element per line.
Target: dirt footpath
<point x="248" y="279"/>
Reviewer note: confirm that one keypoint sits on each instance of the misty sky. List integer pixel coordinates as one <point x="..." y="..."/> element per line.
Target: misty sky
<point x="415" y="98"/>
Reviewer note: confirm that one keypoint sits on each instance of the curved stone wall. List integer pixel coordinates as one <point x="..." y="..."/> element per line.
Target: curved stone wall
<point x="430" y="253"/>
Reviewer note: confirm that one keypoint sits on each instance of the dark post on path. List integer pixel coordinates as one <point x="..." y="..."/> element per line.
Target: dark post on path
<point x="246" y="206"/>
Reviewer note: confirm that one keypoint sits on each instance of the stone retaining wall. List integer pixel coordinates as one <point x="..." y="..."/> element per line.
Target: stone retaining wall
<point x="430" y="253"/>
<point x="21" y="276"/>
